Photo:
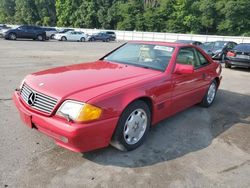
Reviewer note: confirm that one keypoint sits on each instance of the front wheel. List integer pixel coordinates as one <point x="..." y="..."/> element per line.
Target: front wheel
<point x="12" y="36"/>
<point x="82" y="39"/>
<point x="209" y="97"/>
<point x="63" y="39"/>
<point x="132" y="127"/>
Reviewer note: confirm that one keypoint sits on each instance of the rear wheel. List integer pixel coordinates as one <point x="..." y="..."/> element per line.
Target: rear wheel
<point x="12" y="36"/>
<point x="132" y="127"/>
<point x="223" y="58"/>
<point x="63" y="39"/>
<point x="40" y="37"/>
<point x="209" y="97"/>
<point x="227" y="65"/>
<point x="107" y="40"/>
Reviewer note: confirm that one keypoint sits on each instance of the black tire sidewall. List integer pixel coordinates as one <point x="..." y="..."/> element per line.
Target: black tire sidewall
<point x="82" y="39"/>
<point x="118" y="135"/>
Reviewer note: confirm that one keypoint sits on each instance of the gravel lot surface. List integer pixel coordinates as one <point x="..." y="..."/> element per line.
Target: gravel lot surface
<point x="197" y="148"/>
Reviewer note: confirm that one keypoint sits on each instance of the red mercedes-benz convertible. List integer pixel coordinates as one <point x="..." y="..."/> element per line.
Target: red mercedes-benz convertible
<point x="116" y="99"/>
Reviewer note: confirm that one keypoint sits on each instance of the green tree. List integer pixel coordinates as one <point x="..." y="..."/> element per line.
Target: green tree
<point x="234" y="15"/>
<point x="7" y="11"/>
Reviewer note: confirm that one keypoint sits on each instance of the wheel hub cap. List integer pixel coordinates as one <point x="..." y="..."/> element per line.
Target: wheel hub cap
<point x="211" y="93"/>
<point x="135" y="126"/>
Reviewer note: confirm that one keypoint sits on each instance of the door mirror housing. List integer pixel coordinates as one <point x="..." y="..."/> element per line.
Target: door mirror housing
<point x="183" y="69"/>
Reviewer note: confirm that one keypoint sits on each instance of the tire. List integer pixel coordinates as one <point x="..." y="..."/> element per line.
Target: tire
<point x="82" y="39"/>
<point x="63" y="39"/>
<point x="210" y="95"/>
<point x="52" y="36"/>
<point x="228" y="66"/>
<point x="40" y="37"/>
<point x="12" y="36"/>
<point x="223" y="58"/>
<point x="129" y="136"/>
<point x="107" y="40"/>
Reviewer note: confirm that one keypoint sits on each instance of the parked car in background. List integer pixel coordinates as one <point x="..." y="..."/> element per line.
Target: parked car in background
<point x="3" y="28"/>
<point x="239" y="56"/>
<point x="102" y="36"/>
<point x="193" y="42"/>
<point x="27" y="32"/>
<point x="117" y="98"/>
<point x="112" y="34"/>
<point x="218" y="49"/>
<point x="50" y="32"/>
<point x="64" y="30"/>
<point x="71" y="36"/>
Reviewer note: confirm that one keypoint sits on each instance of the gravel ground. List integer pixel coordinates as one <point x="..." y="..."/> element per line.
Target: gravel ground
<point x="198" y="147"/>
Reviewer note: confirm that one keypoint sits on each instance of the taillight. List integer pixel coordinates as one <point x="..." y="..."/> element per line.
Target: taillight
<point x="231" y="54"/>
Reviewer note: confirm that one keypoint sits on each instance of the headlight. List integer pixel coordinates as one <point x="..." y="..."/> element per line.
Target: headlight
<point x="77" y="111"/>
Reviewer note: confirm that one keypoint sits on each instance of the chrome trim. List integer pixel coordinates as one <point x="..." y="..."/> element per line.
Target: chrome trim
<point x="42" y="102"/>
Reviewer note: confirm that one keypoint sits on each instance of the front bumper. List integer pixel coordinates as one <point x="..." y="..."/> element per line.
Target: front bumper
<point x="73" y="136"/>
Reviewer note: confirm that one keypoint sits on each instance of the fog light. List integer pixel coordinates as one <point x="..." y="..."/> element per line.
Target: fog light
<point x="64" y="139"/>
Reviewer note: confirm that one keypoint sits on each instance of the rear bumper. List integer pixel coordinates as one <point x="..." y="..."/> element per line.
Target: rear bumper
<point x="73" y="136"/>
<point x="239" y="63"/>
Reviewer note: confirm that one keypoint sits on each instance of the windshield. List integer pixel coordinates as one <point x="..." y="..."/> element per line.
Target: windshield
<point x="143" y="55"/>
<point x="219" y="45"/>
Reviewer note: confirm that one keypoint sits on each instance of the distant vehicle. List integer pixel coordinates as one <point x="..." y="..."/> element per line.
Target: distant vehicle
<point x="111" y="33"/>
<point x="50" y="32"/>
<point x="3" y="26"/>
<point x="71" y="36"/>
<point x="193" y="42"/>
<point x="64" y="30"/>
<point x="27" y="32"/>
<point x="218" y="49"/>
<point x="239" y="56"/>
<point x="102" y="36"/>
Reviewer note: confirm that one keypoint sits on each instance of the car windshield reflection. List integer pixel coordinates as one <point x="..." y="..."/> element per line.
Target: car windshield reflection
<point x="149" y="56"/>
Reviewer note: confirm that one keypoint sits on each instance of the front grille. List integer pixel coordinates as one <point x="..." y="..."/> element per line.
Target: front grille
<point x="39" y="101"/>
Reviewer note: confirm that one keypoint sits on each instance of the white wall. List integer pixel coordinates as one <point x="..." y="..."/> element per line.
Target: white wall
<point x="168" y="37"/>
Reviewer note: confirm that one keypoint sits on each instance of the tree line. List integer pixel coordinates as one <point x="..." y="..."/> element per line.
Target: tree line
<point x="223" y="17"/>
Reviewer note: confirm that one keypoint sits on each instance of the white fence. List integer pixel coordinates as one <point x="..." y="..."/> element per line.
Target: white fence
<point x="168" y="37"/>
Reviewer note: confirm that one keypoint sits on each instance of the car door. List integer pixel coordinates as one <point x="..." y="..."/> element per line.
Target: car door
<point x="188" y="89"/>
<point x="70" y="35"/>
<point x="22" y="32"/>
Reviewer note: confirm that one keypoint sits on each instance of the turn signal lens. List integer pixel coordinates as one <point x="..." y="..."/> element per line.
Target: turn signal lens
<point x="78" y="111"/>
<point x="89" y="112"/>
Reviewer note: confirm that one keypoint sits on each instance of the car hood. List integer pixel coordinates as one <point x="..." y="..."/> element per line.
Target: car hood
<point x="92" y="79"/>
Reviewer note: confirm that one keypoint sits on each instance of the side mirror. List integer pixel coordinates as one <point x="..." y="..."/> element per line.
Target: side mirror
<point x="183" y="69"/>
